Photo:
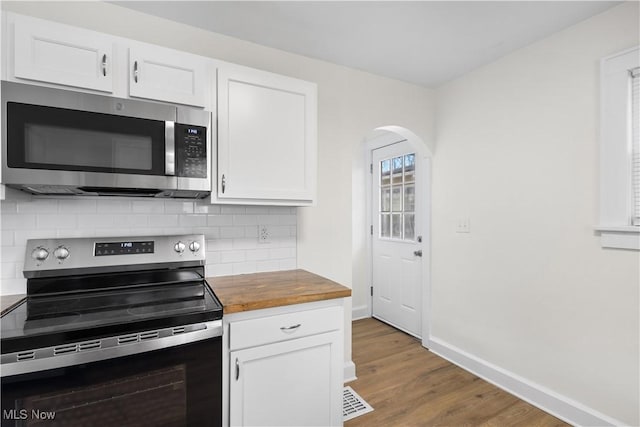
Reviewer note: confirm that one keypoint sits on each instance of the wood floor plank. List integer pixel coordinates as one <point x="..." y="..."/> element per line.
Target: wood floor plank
<point x="407" y="385"/>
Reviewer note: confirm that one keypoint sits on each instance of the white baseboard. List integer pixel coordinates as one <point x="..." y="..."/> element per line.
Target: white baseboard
<point x="549" y="401"/>
<point x="360" y="312"/>
<point x="349" y="371"/>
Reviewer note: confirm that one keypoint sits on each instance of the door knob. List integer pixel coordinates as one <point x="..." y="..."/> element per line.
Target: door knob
<point x="418" y="252"/>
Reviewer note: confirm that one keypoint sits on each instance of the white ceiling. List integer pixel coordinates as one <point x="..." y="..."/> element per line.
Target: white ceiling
<point x="422" y="42"/>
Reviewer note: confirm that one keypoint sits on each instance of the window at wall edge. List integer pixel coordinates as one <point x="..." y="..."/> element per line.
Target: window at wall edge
<point x="619" y="223"/>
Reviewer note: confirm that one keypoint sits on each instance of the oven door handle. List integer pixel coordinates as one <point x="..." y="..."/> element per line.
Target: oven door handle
<point x="60" y="356"/>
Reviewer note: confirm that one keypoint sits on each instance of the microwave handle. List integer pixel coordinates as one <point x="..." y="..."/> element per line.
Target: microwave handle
<point x="170" y="148"/>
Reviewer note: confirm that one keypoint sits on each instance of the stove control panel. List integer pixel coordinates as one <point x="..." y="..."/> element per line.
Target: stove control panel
<point x="46" y="256"/>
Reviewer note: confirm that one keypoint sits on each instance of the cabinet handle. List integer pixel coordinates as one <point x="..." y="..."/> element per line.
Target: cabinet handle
<point x="290" y="328"/>
<point x="104" y="65"/>
<point x="237" y="369"/>
<point x="224" y="183"/>
<point x="135" y="71"/>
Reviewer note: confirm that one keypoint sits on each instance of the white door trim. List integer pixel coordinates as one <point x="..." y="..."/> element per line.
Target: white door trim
<point x="384" y="136"/>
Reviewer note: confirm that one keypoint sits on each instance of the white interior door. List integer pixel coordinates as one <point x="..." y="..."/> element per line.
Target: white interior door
<point x="396" y="238"/>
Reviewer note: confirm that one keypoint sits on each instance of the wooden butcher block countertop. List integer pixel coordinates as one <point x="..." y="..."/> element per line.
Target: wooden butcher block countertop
<point x="246" y="292"/>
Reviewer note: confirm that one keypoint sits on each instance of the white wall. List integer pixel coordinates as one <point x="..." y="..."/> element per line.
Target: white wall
<point x="530" y="289"/>
<point x="231" y="232"/>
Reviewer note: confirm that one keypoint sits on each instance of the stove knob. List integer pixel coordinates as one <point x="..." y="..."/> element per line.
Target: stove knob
<point x="194" y="246"/>
<point x="61" y="253"/>
<point x="179" y="247"/>
<point x="40" y="254"/>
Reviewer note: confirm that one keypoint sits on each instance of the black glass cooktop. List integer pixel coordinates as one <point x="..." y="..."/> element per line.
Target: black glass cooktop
<point x="106" y="308"/>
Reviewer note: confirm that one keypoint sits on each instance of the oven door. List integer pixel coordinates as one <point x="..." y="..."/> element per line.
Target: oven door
<point x="174" y="386"/>
<point x="58" y="137"/>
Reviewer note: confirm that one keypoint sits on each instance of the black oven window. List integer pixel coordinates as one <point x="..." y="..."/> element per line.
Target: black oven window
<point x="61" y="139"/>
<point x="156" y="398"/>
<point x="171" y="387"/>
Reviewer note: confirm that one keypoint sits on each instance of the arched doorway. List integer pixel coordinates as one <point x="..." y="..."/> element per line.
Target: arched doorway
<point x="398" y="189"/>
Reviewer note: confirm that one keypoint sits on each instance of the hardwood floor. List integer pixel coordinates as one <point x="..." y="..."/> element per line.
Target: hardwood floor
<point x="409" y="386"/>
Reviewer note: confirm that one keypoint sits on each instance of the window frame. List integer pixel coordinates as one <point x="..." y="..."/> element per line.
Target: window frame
<point x="616" y="197"/>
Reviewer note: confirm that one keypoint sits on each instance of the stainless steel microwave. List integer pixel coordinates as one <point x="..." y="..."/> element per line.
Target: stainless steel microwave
<point x="72" y="143"/>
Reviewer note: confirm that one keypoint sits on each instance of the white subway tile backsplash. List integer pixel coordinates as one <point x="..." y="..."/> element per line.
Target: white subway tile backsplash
<point x="57" y="221"/>
<point x="167" y="220"/>
<point x="6" y="238"/>
<point x="258" y="255"/>
<point x="147" y="206"/>
<point x="231" y="231"/>
<point x="14" y="221"/>
<point x="113" y="206"/>
<point x="193" y="220"/>
<point x="171" y="206"/>
<point x="8" y="207"/>
<point x="232" y="256"/>
<point x="37" y="206"/>
<point x="98" y="221"/>
<point x="268" y="220"/>
<point x="245" y="220"/>
<point x="282" y="253"/>
<point x="244" y="267"/>
<point x="214" y="270"/>
<point x="76" y="232"/>
<point x="233" y="209"/>
<point x="36" y="233"/>
<point x="219" y="220"/>
<point x="219" y="245"/>
<point x="78" y="206"/>
<point x="270" y="265"/>
<point x="205" y="208"/>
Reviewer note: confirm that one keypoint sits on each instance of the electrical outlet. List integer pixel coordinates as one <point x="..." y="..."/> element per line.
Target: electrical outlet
<point x="264" y="234"/>
<point x="463" y="225"/>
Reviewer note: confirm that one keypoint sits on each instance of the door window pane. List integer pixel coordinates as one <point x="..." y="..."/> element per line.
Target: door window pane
<point x="409" y="198"/>
<point x="397" y="170"/>
<point x="410" y="168"/>
<point x="385" y="199"/>
<point x="396" y="226"/>
<point x="385" y="225"/>
<point x="409" y="227"/>
<point x="385" y="172"/>
<point x="396" y="198"/>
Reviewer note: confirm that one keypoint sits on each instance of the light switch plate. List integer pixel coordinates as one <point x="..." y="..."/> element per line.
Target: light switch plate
<point x="463" y="225"/>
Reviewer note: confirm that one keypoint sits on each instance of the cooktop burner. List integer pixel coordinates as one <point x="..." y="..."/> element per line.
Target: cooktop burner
<point x="82" y="300"/>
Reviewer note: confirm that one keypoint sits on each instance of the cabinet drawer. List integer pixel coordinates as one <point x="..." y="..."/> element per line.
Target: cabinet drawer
<point x="283" y="327"/>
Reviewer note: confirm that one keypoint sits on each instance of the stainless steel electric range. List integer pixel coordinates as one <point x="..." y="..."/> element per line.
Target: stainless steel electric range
<point x="113" y="331"/>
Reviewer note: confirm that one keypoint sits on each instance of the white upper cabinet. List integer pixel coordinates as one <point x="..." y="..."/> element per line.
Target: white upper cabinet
<point x="267" y="138"/>
<point x="44" y="52"/>
<point x="167" y="75"/>
<point x="60" y="54"/>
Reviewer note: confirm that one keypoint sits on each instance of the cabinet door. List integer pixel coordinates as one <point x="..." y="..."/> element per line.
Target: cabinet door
<point x="292" y="383"/>
<point x="266" y="137"/>
<point x="167" y="75"/>
<point x="59" y="54"/>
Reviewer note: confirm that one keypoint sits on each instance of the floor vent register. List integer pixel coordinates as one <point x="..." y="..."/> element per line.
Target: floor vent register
<point x="353" y="405"/>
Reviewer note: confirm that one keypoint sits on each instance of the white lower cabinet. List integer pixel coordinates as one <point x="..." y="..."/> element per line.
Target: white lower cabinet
<point x="289" y="371"/>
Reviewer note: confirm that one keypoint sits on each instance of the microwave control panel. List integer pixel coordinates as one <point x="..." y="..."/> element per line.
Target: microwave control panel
<point x="191" y="151"/>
